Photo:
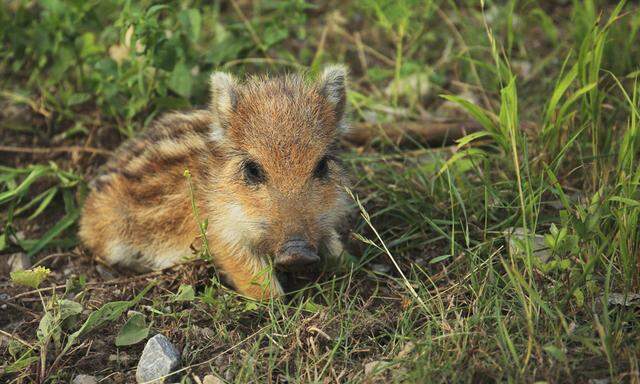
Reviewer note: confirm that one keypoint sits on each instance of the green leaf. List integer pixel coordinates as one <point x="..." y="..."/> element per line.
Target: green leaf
<point x="191" y="20"/>
<point x="68" y="308"/>
<point x="60" y="226"/>
<point x="461" y="142"/>
<point x="77" y="98"/>
<point x="3" y="241"/>
<point x="133" y="331"/>
<point x="579" y="296"/>
<point x="181" y="80"/>
<point x="483" y="116"/>
<point x="555" y="352"/>
<point x="155" y="9"/>
<point x="439" y="259"/>
<point x="44" y="199"/>
<point x="47" y="327"/>
<point x="30" y="277"/>
<point x="310" y="306"/>
<point x="108" y="312"/>
<point x="559" y="91"/>
<point x="468" y="153"/>
<point x="250" y="306"/>
<point x="35" y="174"/>
<point x="185" y="293"/>
<point x="23" y="362"/>
<point x="274" y="34"/>
<point x="625" y="200"/>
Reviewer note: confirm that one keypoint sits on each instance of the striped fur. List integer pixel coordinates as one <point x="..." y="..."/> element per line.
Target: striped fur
<point x="139" y="212"/>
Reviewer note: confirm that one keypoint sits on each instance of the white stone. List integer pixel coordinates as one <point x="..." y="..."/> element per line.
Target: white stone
<point x="19" y="262"/>
<point x="381" y="268"/>
<point x="212" y="379"/>
<point x="516" y="241"/>
<point x="628" y="300"/>
<point x="84" y="379"/>
<point x="159" y="358"/>
<point x="375" y="367"/>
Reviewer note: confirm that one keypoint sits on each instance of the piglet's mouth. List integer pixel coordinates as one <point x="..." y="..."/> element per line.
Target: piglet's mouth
<point x="296" y="255"/>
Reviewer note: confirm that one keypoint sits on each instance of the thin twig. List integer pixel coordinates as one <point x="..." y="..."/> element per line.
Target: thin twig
<point x="264" y="60"/>
<point x="16" y="338"/>
<point x="372" y="51"/>
<point x="90" y="285"/>
<point x="367" y="219"/>
<point x="51" y="256"/>
<point x="98" y="151"/>
<point x="421" y="131"/>
<point x="247" y="24"/>
<point x="465" y="49"/>
<point x="20" y="308"/>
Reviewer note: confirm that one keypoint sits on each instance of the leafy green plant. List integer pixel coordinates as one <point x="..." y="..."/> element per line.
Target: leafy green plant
<point x="133" y="331"/>
<point x="432" y="289"/>
<point x="58" y="317"/>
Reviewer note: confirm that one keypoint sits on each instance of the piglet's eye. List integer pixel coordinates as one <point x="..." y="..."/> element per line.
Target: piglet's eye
<point x="253" y="173"/>
<point x="322" y="168"/>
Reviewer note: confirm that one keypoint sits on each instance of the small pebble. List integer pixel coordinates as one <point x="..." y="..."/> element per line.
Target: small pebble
<point x="228" y="375"/>
<point x="120" y="357"/>
<point x="606" y="380"/>
<point x="628" y="300"/>
<point x="19" y="262"/>
<point x="211" y="379"/>
<point x="104" y="273"/>
<point x="516" y="243"/>
<point x="159" y="358"/>
<point x="407" y="349"/>
<point x="381" y="268"/>
<point x="84" y="379"/>
<point x="374" y="367"/>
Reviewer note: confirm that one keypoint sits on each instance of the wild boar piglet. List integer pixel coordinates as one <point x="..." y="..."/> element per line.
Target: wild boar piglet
<point x="264" y="174"/>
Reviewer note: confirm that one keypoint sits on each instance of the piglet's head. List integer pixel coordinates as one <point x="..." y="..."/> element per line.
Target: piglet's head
<point x="284" y="179"/>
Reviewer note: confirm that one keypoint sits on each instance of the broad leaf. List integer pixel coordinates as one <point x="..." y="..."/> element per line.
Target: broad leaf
<point x="133" y="331"/>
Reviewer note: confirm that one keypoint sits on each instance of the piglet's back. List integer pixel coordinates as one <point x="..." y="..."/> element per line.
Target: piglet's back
<point x="140" y="198"/>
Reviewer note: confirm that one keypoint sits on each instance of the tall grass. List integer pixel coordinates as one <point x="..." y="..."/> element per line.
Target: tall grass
<point x="502" y="257"/>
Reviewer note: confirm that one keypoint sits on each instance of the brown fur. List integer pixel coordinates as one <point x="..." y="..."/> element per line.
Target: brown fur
<point x="139" y="212"/>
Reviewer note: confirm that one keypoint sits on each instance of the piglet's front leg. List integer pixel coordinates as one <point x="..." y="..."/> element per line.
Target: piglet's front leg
<point x="250" y="274"/>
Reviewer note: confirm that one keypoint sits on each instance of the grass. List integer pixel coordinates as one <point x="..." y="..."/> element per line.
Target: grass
<point x="440" y="286"/>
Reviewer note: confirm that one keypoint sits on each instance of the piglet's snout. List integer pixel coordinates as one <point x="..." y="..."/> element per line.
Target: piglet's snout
<point x="296" y="254"/>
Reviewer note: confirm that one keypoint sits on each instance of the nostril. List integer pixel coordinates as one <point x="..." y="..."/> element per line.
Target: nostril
<point x="296" y="253"/>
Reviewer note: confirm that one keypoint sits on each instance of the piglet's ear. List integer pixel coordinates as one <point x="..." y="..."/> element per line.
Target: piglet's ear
<point x="223" y="99"/>
<point x="333" y="85"/>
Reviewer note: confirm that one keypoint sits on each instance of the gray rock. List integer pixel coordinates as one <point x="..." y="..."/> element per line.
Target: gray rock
<point x="606" y="380"/>
<point x="228" y="375"/>
<point x="516" y="241"/>
<point x="407" y="349"/>
<point x="159" y="358"/>
<point x="628" y="300"/>
<point x="370" y="116"/>
<point x="381" y="268"/>
<point x="85" y="379"/>
<point x="105" y="273"/>
<point x="415" y="85"/>
<point x="19" y="262"/>
<point x="211" y="379"/>
<point x="375" y="367"/>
